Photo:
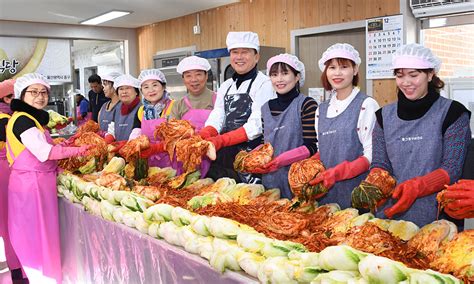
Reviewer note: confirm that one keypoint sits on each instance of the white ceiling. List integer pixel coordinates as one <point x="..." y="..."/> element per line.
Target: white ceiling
<point x="145" y="12"/>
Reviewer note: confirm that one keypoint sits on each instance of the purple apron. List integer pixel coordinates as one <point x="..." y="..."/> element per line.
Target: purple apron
<point x="33" y="221"/>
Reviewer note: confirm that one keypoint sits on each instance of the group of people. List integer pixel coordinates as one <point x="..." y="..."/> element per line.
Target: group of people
<point x="421" y="140"/>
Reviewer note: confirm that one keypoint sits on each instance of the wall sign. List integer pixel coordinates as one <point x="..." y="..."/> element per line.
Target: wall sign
<point x="383" y="37"/>
<point x="50" y="57"/>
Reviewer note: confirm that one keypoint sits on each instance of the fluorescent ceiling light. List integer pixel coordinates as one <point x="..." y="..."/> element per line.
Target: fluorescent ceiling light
<point x="104" y="17"/>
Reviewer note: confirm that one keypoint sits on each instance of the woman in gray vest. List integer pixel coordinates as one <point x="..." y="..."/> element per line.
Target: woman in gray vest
<point x="421" y="139"/>
<point x="121" y="127"/>
<point x="288" y="122"/>
<point x="344" y="125"/>
<point x="107" y="111"/>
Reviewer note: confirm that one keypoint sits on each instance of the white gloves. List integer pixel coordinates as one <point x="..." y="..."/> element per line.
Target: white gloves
<point x="111" y="129"/>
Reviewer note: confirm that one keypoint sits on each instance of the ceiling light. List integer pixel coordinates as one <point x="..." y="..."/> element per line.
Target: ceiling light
<point x="104" y="17"/>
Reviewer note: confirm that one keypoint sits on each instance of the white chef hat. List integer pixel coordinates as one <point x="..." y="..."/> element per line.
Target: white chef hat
<point x="27" y="80"/>
<point x="339" y="50"/>
<point x="242" y="40"/>
<point x="289" y="59"/>
<point x="126" y="80"/>
<point x="193" y="63"/>
<point x="415" y="56"/>
<point x="111" y="76"/>
<point x="151" y="74"/>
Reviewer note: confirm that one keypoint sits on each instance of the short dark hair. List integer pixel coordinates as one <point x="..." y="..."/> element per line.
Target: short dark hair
<point x="94" y="78"/>
<point x="276" y="67"/>
<point x="324" y="78"/>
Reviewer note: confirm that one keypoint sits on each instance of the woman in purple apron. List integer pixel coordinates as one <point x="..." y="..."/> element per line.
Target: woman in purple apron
<point x="421" y="139"/>
<point x="6" y="95"/>
<point x="344" y="125"/>
<point x="32" y="201"/>
<point x="124" y="117"/>
<point x="107" y="111"/>
<point x="288" y="122"/>
<point x="237" y="112"/>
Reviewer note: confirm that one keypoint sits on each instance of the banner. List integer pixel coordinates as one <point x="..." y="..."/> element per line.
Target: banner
<point x="50" y="57"/>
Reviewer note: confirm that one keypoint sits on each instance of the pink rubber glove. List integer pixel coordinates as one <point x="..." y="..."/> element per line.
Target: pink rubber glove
<point x="59" y="152"/>
<point x="154" y="149"/>
<point x="230" y="138"/>
<point x="342" y="171"/>
<point x="408" y="191"/>
<point x="284" y="159"/>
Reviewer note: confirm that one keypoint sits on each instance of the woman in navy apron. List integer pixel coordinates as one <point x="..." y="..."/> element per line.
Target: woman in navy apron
<point x="107" y="111"/>
<point x="422" y="139"/>
<point x="344" y="125"/>
<point x="237" y="111"/>
<point x="288" y="122"/>
<point x="122" y="125"/>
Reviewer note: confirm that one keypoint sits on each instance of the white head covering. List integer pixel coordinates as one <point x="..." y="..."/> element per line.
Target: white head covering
<point x="242" y="40"/>
<point x="289" y="59"/>
<point x="415" y="56"/>
<point x="151" y="74"/>
<point x="339" y="50"/>
<point x="111" y="76"/>
<point x="193" y="63"/>
<point x="126" y="80"/>
<point x="27" y="80"/>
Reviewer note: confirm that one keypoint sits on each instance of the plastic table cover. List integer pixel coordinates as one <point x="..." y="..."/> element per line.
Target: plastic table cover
<point x="94" y="250"/>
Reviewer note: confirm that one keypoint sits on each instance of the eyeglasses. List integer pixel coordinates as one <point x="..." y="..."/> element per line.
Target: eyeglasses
<point x="35" y="93"/>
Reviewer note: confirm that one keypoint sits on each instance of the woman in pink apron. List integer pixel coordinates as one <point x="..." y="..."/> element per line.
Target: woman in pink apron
<point x="155" y="110"/>
<point x="197" y="105"/>
<point x="32" y="202"/>
<point x="6" y="95"/>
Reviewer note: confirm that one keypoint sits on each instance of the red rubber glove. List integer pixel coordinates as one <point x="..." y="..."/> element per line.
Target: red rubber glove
<point x="316" y="156"/>
<point x="154" y="149"/>
<point x="460" y="197"/>
<point x="109" y="139"/>
<point x="408" y="191"/>
<point x="230" y="138"/>
<point x="284" y="159"/>
<point x="342" y="171"/>
<point x="208" y="132"/>
<point x="118" y="145"/>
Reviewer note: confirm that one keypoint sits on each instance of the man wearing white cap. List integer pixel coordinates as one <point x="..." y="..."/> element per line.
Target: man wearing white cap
<point x="422" y="139"/>
<point x="237" y="113"/>
<point x="107" y="111"/>
<point x="199" y="102"/>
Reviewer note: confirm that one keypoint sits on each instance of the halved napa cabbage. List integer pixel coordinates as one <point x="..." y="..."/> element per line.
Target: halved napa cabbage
<point x="252" y="242"/>
<point x="281" y="248"/>
<point x="340" y="257"/>
<point x="200" y="225"/>
<point x="250" y="262"/>
<point x="277" y="270"/>
<point x="181" y="216"/>
<point x="377" y="269"/>
<point x="338" y="276"/>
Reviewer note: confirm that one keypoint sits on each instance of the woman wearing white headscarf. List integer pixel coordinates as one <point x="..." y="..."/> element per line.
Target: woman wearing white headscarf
<point x="288" y="122"/>
<point x="33" y="221"/>
<point x="422" y="139"/>
<point x="344" y="125"/>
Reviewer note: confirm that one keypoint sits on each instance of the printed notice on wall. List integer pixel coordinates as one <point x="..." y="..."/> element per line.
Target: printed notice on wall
<point x="383" y="37"/>
<point x="50" y="57"/>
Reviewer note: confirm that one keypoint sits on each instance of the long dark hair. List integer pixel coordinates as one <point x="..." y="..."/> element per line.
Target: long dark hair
<point x="436" y="84"/>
